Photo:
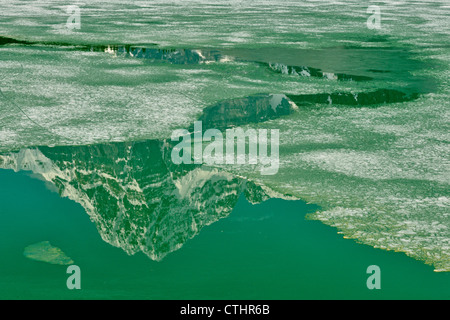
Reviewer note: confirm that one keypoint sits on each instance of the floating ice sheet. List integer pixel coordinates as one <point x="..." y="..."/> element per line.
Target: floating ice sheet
<point x="45" y="252"/>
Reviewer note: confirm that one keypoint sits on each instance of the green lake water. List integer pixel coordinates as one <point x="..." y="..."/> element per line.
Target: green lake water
<point x="262" y="251"/>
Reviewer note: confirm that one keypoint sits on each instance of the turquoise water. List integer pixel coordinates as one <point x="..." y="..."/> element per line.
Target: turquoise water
<point x="263" y="251"/>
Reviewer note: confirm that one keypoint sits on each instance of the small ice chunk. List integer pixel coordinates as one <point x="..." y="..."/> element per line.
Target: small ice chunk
<point x="45" y="252"/>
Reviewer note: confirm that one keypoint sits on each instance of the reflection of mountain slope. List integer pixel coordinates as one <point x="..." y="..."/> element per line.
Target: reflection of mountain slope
<point x="377" y="97"/>
<point x="138" y="200"/>
<point x="242" y="111"/>
<point x="304" y="71"/>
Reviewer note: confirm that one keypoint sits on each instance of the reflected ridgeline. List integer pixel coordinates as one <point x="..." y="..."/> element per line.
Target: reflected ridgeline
<point x="137" y="198"/>
<point x="398" y="66"/>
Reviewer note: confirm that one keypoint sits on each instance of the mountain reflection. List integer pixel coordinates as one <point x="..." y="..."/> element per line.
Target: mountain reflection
<point x="138" y="199"/>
